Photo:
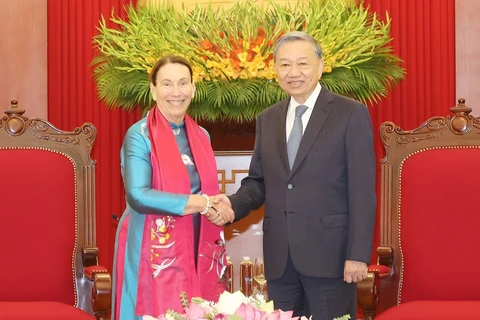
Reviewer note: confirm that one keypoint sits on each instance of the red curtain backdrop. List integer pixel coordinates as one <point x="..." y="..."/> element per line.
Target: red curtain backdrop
<point x="423" y="34"/>
<point x="72" y="100"/>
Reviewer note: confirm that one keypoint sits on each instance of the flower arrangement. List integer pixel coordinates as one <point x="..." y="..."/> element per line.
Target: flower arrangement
<point x="231" y="51"/>
<point x="232" y="306"/>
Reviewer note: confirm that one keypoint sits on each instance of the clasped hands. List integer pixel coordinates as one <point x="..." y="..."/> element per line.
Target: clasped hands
<point x="221" y="211"/>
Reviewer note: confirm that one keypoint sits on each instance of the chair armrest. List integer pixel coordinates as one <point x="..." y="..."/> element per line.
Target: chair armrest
<point x="90" y="256"/>
<point x="367" y="296"/>
<point x="102" y="295"/>
<point x="385" y="257"/>
<point x="367" y="291"/>
<point x="90" y="272"/>
<point x="102" y="283"/>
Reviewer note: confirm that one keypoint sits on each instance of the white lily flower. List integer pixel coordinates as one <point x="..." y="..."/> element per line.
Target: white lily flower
<point x="229" y="303"/>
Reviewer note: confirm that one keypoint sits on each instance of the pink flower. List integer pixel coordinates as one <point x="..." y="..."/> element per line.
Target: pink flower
<point x="250" y="312"/>
<point x="194" y="311"/>
<point x="280" y="315"/>
<point x="220" y="316"/>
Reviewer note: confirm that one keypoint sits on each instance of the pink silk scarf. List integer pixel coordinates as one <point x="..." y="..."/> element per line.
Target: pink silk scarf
<point x="167" y="264"/>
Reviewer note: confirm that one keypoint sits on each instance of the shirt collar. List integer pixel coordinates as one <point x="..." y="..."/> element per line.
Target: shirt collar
<point x="310" y="102"/>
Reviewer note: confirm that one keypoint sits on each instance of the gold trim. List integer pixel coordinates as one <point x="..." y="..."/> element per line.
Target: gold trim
<point x="400" y="286"/>
<point x="233" y="153"/>
<point x="379" y="273"/>
<point x="76" y="208"/>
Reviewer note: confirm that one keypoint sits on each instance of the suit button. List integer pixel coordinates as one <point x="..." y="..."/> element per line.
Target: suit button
<point x="289" y="186"/>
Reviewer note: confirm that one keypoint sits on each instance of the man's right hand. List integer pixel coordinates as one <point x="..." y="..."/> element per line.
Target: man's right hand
<point x="223" y="208"/>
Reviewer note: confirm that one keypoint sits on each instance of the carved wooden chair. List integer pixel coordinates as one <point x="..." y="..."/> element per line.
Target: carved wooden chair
<point x="429" y="222"/>
<point x="49" y="266"/>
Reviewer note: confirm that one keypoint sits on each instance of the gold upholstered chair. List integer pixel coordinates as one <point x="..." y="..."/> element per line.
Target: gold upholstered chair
<point x="49" y="263"/>
<point x="430" y="218"/>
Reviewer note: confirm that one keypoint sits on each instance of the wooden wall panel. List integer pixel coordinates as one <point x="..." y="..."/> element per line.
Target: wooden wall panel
<point x="23" y="55"/>
<point x="467" y="31"/>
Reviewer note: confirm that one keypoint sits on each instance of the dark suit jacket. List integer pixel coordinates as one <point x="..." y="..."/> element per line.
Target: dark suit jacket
<point x="323" y="210"/>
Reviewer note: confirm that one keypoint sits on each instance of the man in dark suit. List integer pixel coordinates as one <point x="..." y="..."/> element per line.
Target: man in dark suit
<point x="319" y="204"/>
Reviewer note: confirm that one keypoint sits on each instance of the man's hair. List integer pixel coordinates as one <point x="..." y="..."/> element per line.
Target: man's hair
<point x="298" y="36"/>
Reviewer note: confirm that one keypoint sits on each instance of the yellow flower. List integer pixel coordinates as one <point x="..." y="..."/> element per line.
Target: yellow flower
<point x="260" y="64"/>
<point x="330" y="60"/>
<point x="252" y="68"/>
<point x="257" y="49"/>
<point x="242" y="56"/>
<point x="243" y="74"/>
<point x="211" y="64"/>
<point x="252" y="74"/>
<point x="215" y="73"/>
<point x="150" y="60"/>
<point x="229" y="72"/>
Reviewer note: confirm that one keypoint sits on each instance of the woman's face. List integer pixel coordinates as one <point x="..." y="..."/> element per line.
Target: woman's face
<point x="173" y="92"/>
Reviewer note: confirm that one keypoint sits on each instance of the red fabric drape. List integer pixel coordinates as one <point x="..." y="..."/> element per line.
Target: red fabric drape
<point x="72" y="100"/>
<point x="423" y="33"/>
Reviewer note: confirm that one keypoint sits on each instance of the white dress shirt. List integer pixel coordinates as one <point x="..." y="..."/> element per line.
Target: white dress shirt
<point x="310" y="103"/>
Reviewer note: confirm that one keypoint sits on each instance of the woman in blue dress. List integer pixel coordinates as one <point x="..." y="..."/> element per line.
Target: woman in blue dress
<point x="165" y="245"/>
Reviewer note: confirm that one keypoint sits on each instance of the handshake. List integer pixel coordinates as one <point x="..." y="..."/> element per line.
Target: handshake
<point x="218" y="210"/>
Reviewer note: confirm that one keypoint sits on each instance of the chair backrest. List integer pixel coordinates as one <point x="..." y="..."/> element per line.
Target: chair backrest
<point x="429" y="214"/>
<point x="47" y="209"/>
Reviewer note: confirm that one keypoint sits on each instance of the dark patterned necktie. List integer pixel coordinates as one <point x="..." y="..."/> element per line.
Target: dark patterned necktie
<point x="295" y="135"/>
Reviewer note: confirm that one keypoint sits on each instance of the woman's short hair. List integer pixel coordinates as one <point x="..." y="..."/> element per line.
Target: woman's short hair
<point x="167" y="60"/>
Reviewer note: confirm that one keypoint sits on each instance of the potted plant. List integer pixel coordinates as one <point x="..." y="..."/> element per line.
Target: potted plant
<point x="231" y="51"/>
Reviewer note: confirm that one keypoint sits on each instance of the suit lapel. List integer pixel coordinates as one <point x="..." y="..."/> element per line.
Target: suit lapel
<point x="315" y="124"/>
<point x="281" y="136"/>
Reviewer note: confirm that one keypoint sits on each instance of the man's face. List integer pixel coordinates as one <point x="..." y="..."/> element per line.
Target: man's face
<point x="298" y="69"/>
